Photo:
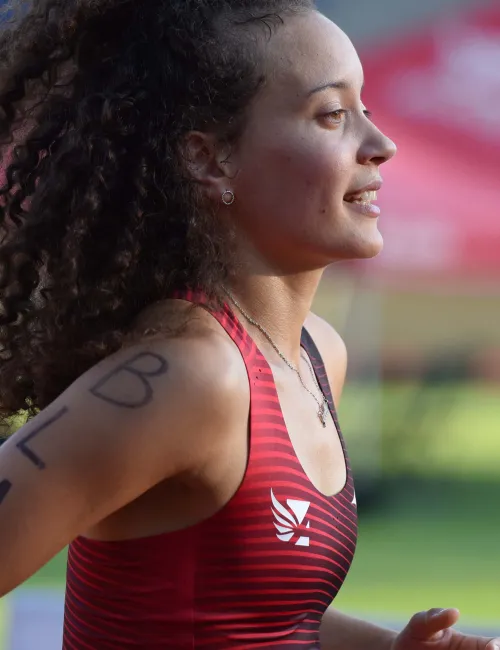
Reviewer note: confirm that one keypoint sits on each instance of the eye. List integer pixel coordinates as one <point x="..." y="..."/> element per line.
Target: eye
<point x="368" y="114"/>
<point x="336" y="117"/>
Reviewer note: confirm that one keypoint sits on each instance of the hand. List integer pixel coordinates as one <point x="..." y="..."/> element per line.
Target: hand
<point x="432" y="631"/>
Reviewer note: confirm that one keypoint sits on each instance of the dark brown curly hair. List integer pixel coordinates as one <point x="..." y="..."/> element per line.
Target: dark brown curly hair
<point x="98" y="217"/>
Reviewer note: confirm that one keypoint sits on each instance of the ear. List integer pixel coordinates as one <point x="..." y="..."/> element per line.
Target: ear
<point x="208" y="163"/>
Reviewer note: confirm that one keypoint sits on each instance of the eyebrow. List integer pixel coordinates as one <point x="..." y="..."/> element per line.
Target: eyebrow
<point x="338" y="85"/>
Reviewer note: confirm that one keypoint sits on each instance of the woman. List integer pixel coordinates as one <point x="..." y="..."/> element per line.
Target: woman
<point x="191" y="168"/>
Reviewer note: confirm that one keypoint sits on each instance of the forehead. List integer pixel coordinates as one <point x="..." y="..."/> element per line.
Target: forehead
<point x="310" y="50"/>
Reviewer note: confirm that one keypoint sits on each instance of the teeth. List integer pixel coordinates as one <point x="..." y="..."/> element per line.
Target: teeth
<point x="366" y="197"/>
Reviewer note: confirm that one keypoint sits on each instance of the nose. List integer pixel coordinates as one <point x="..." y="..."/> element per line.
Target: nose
<point x="376" y="148"/>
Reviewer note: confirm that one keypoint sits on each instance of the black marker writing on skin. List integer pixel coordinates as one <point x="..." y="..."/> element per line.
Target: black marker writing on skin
<point x="138" y="368"/>
<point x="5" y="487"/>
<point x="22" y="445"/>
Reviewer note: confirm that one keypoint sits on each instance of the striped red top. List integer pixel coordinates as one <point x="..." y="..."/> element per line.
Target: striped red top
<point x="258" y="574"/>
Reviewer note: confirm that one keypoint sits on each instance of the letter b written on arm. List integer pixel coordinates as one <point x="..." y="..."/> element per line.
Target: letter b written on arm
<point x="135" y="374"/>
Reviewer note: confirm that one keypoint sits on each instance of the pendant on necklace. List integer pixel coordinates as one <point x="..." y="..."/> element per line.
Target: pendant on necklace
<point x="322" y="413"/>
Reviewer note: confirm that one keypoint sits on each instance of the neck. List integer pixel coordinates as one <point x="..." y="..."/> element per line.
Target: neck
<point x="279" y="303"/>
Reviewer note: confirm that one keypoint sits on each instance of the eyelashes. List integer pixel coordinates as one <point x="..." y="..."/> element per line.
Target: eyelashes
<point x="336" y="117"/>
<point x="339" y="116"/>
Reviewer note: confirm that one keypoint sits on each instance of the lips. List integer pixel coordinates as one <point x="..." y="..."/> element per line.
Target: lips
<point x="366" y="193"/>
<point x="362" y="200"/>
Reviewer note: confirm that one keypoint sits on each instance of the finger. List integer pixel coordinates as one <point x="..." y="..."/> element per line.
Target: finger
<point x="494" y="644"/>
<point x="430" y="625"/>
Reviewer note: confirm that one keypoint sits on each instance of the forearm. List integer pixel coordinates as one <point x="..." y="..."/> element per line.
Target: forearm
<point x="341" y="632"/>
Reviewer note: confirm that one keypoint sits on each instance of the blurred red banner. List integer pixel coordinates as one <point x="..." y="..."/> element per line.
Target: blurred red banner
<point x="437" y="94"/>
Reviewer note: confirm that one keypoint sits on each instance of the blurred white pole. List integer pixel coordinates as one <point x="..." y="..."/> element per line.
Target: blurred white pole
<point x="365" y="328"/>
<point x="359" y="318"/>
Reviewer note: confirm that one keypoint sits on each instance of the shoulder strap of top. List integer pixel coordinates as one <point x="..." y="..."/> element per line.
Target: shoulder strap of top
<point x="227" y="319"/>
<point x="314" y="355"/>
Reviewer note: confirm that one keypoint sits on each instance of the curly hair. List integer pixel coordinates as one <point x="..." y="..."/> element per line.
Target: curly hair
<point x="98" y="217"/>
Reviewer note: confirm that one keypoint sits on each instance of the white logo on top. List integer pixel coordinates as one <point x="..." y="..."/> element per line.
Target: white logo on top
<point x="287" y="520"/>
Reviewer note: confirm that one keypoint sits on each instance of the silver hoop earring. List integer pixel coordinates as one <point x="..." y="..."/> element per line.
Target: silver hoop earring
<point x="228" y="197"/>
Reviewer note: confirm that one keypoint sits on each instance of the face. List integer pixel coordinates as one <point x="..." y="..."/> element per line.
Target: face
<point x="308" y="151"/>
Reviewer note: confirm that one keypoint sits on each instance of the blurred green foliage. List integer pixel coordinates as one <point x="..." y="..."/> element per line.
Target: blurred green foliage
<point x="450" y="429"/>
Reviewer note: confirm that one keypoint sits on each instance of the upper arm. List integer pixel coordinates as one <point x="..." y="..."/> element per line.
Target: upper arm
<point x="333" y="352"/>
<point x="122" y="428"/>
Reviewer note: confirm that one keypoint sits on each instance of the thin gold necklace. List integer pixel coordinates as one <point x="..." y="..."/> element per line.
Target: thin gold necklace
<point x="323" y="403"/>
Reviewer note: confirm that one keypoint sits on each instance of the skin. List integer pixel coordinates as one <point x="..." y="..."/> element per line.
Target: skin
<point x="299" y="157"/>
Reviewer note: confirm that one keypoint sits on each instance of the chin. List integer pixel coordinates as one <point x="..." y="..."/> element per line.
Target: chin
<point x="361" y="249"/>
<point x="370" y="251"/>
<point x="354" y="240"/>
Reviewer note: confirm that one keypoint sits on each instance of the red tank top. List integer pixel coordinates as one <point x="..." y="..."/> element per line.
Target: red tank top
<point x="258" y="574"/>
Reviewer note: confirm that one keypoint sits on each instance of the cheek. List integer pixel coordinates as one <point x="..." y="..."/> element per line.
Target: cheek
<point x="296" y="171"/>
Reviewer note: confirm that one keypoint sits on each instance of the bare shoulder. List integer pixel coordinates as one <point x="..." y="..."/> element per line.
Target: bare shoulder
<point x="332" y="349"/>
<point x="203" y="362"/>
<point x="180" y="395"/>
<point x="197" y="366"/>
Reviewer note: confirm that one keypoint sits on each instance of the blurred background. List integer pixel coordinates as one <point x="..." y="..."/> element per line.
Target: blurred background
<point x="421" y="409"/>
